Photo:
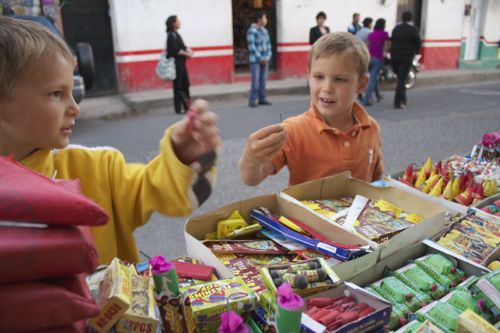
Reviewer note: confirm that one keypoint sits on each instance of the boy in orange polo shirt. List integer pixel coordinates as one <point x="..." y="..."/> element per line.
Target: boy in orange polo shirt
<point x="336" y="133"/>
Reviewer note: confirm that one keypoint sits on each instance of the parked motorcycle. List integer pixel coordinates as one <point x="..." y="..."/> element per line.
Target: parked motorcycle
<point x="388" y="75"/>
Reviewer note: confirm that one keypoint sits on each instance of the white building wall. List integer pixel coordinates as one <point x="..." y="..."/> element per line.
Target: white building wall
<point x="492" y="21"/>
<point x="140" y="25"/>
<point x="442" y="20"/>
<point x="296" y="17"/>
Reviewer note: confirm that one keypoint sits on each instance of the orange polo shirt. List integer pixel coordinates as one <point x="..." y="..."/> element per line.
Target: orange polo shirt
<point x="314" y="149"/>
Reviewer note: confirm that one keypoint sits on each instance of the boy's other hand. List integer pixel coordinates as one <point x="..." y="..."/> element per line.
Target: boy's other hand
<point x="196" y="134"/>
<point x="263" y="144"/>
<point x="256" y="160"/>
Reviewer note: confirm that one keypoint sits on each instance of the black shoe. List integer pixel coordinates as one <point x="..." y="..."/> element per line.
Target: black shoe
<point x="252" y="104"/>
<point x="264" y="102"/>
<point x="402" y="106"/>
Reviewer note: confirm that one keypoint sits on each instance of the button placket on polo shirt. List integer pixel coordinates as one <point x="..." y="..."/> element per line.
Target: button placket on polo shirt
<point x="348" y="152"/>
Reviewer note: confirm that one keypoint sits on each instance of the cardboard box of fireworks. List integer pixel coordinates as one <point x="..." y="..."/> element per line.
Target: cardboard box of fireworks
<point x="474" y="238"/>
<point x="421" y="283"/>
<point x="347" y="199"/>
<point x="372" y="312"/>
<point x="197" y="228"/>
<point x="244" y="257"/>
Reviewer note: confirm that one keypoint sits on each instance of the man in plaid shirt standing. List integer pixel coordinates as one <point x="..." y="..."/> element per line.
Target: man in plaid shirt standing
<point x="259" y="55"/>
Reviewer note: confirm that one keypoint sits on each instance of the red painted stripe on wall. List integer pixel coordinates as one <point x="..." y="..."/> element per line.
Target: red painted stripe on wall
<point x="440" y="57"/>
<point x="292" y="64"/>
<point x="293" y="44"/>
<point x="135" y="76"/>
<point x="158" y="51"/>
<point x="441" y="40"/>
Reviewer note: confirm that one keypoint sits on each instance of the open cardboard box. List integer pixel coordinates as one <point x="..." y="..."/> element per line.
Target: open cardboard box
<point x="343" y="185"/>
<point x="197" y="227"/>
<point x="432" y="242"/>
<point x="374" y="322"/>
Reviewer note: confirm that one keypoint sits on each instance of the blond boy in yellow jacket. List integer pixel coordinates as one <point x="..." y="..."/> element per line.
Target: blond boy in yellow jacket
<point x="38" y="112"/>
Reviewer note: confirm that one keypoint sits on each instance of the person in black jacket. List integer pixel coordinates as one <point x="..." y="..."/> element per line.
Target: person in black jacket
<point x="406" y="43"/>
<point x="316" y="32"/>
<point x="177" y="49"/>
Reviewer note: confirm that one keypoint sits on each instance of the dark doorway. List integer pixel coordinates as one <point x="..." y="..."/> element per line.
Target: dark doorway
<point x="88" y="21"/>
<point x="243" y="16"/>
<point x="414" y="6"/>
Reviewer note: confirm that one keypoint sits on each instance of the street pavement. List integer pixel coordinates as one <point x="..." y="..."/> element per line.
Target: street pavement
<point x="439" y="121"/>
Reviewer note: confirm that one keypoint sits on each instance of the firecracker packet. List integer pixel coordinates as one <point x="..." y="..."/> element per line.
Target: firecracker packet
<point x="114" y="296"/>
<point x="140" y="316"/>
<point x="208" y="301"/>
<point x="250" y="247"/>
<point x="247" y="267"/>
<point x="378" y="220"/>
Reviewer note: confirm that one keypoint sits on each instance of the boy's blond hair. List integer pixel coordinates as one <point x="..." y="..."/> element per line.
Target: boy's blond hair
<point x="22" y="44"/>
<point x="341" y="43"/>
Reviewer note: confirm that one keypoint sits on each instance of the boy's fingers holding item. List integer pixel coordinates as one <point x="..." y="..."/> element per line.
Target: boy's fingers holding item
<point x="200" y="106"/>
<point x="272" y="143"/>
<point x="267" y="131"/>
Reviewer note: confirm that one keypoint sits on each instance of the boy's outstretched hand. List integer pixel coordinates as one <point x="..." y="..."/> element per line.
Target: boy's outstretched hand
<point x="196" y="134"/>
<point x="256" y="160"/>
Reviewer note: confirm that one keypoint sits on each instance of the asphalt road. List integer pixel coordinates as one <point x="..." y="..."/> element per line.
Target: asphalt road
<point x="438" y="122"/>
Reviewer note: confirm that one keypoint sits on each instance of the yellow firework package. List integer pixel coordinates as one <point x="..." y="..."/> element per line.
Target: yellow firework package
<point x="140" y="317"/>
<point x="114" y="296"/>
<point x="208" y="301"/>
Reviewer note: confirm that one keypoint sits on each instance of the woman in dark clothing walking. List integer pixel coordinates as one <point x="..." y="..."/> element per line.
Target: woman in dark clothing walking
<point x="316" y="32"/>
<point x="177" y="49"/>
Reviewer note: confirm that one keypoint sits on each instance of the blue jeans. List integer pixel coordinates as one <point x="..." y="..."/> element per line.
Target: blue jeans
<point x="259" y="77"/>
<point x="375" y="67"/>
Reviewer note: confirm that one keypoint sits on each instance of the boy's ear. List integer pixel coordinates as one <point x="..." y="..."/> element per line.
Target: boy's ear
<point x="363" y="82"/>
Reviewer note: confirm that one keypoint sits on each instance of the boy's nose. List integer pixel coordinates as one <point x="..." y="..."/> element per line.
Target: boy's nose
<point x="328" y="86"/>
<point x="73" y="108"/>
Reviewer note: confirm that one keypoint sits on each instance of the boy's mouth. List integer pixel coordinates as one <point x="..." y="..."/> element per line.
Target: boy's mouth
<point x="67" y="130"/>
<point x="326" y="100"/>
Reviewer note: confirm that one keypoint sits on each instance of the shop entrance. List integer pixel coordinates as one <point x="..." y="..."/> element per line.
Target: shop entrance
<point x="244" y="12"/>
<point x="89" y="21"/>
<point x="414" y="6"/>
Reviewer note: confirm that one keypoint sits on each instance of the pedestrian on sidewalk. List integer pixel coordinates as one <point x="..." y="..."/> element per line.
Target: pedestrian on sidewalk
<point x="320" y="29"/>
<point x="378" y="43"/>
<point x="259" y="56"/>
<point x="406" y="43"/>
<point x="336" y="133"/>
<point x="354" y="27"/>
<point x="38" y="112"/>
<point x="366" y="30"/>
<point x="178" y="50"/>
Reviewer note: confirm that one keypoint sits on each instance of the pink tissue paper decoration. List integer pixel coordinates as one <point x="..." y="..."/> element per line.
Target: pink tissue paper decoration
<point x="288" y="299"/>
<point x="160" y="265"/>
<point x="491" y="139"/>
<point x="231" y="322"/>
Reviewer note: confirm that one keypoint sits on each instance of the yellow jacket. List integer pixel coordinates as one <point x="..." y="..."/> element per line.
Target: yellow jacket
<point x="128" y="192"/>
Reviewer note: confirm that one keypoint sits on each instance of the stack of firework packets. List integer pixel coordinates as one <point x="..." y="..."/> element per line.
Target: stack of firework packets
<point x="112" y="293"/>
<point x="126" y="300"/>
<point x="208" y="301"/>
<point x="377" y="220"/>
<point x="315" y="274"/>
<point x="475" y="238"/>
